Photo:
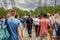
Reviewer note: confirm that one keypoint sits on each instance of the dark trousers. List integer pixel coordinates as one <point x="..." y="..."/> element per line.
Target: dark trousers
<point x="57" y="34"/>
<point x="29" y="29"/>
<point x="36" y="30"/>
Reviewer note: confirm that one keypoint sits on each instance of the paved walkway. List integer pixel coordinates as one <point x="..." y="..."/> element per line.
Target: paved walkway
<point x="28" y="38"/>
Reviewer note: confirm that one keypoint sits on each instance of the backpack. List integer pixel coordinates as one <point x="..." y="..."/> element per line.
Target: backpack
<point x="7" y="26"/>
<point x="56" y="29"/>
<point x="4" y="34"/>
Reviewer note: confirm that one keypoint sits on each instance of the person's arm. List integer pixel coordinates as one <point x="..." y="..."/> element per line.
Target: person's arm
<point x="19" y="34"/>
<point x="19" y="31"/>
<point x="49" y="24"/>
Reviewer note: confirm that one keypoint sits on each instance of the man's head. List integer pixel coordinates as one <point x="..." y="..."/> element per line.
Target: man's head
<point x="29" y="15"/>
<point x="36" y="16"/>
<point x="13" y="12"/>
<point x="8" y="15"/>
<point x="45" y="15"/>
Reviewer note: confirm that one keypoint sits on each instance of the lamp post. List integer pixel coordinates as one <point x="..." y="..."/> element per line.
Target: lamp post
<point x="5" y="4"/>
<point x="45" y="6"/>
<point x="39" y="6"/>
<point x="55" y="6"/>
<point x="12" y="3"/>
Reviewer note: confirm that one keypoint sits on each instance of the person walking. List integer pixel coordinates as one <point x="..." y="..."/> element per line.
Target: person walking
<point x="36" y="24"/>
<point x="29" y="22"/>
<point x="14" y="26"/>
<point x="44" y="25"/>
<point x="58" y="29"/>
<point x="52" y="21"/>
<point x="55" y="28"/>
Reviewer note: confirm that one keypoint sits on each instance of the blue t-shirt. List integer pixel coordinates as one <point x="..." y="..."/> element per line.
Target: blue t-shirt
<point x="13" y="25"/>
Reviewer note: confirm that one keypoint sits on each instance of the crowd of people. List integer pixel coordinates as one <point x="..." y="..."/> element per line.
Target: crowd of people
<point x="12" y="27"/>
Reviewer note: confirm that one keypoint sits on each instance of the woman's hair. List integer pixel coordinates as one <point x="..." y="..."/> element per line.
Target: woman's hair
<point x="59" y="13"/>
<point x="16" y="16"/>
<point x="0" y="17"/>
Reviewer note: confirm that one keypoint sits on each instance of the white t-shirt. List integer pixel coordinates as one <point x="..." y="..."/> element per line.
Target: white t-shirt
<point x="36" y="21"/>
<point x="52" y="20"/>
<point x="58" y="20"/>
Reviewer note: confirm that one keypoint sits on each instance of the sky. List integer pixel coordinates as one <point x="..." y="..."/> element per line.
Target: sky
<point x="32" y="4"/>
<point x="28" y="4"/>
<point x="1" y="3"/>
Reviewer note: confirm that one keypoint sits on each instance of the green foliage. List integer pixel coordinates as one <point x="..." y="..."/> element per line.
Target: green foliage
<point x="3" y="11"/>
<point x="37" y="11"/>
<point x="49" y="9"/>
<point x="21" y="13"/>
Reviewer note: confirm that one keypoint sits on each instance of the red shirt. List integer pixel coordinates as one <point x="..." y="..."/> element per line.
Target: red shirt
<point x="44" y="24"/>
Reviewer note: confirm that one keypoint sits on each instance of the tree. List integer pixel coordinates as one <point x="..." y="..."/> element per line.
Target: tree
<point x="3" y="12"/>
